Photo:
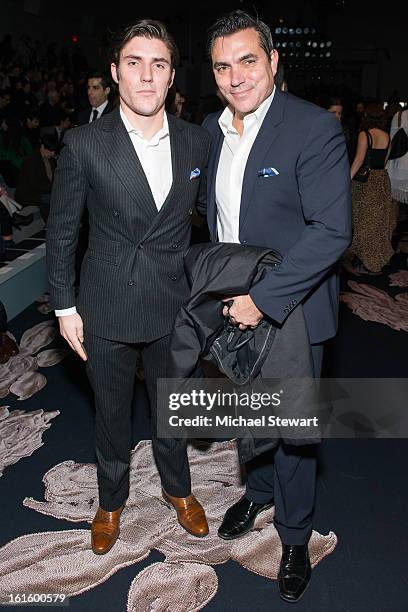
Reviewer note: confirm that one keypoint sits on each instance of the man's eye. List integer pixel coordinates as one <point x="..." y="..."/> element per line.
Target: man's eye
<point x="221" y="68"/>
<point x="160" y="66"/>
<point x="132" y="63"/>
<point x="249" y="61"/>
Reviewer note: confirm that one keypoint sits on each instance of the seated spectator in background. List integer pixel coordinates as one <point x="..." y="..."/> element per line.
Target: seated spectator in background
<point x="63" y="123"/>
<point x="177" y="106"/>
<point x="209" y="104"/>
<point x="66" y="91"/>
<point x="31" y="127"/>
<point x="50" y="108"/>
<point x="180" y="105"/>
<point x="98" y="97"/>
<point x="5" y="99"/>
<point x="24" y="98"/>
<point x="37" y="176"/>
<point x="9" y="218"/>
<point x="14" y="146"/>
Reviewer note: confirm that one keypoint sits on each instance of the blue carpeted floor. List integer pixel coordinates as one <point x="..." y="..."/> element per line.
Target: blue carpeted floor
<point x="362" y="493"/>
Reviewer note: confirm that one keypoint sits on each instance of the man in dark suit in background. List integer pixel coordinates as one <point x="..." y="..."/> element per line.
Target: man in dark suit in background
<point x="138" y="170"/>
<point x="63" y="122"/>
<point x="98" y="96"/>
<point x="278" y="176"/>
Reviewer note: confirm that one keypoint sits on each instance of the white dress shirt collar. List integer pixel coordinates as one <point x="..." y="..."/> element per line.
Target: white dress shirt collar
<point x="225" y="120"/>
<point x="162" y="133"/>
<point x="100" y="108"/>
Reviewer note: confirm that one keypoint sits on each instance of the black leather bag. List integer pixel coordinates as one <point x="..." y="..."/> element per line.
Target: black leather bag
<point x="362" y="174"/>
<point x="240" y="355"/>
<point x="399" y="142"/>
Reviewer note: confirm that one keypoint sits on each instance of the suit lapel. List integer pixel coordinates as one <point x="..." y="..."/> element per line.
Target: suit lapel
<point x="119" y="150"/>
<point x="262" y="144"/>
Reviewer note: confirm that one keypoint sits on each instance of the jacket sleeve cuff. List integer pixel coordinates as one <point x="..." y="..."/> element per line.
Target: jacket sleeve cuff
<point x="275" y="308"/>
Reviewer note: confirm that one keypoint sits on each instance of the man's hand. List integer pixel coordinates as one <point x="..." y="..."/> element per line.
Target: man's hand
<point x="243" y="312"/>
<point x="72" y="329"/>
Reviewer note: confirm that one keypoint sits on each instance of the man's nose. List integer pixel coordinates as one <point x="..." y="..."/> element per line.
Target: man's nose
<point x="146" y="74"/>
<point x="237" y="76"/>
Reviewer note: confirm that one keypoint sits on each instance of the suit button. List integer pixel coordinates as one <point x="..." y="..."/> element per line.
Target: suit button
<point x="116" y="213"/>
<point x="131" y="282"/>
<point x="175" y="245"/>
<point x="244" y="242"/>
<point x="140" y="246"/>
<point x="173" y="278"/>
<point x="190" y="211"/>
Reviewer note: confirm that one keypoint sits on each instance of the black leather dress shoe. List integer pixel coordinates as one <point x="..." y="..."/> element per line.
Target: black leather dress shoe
<point x="240" y="518"/>
<point x="294" y="572"/>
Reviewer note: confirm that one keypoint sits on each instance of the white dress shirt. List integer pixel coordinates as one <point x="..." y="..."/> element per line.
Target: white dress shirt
<point x="100" y="110"/>
<point x="155" y="158"/>
<point x="231" y="167"/>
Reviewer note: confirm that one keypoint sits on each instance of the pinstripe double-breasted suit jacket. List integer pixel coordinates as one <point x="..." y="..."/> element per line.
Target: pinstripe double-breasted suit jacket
<point x="132" y="277"/>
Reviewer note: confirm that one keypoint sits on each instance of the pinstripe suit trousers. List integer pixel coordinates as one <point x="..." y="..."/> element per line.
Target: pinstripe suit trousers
<point x="111" y="369"/>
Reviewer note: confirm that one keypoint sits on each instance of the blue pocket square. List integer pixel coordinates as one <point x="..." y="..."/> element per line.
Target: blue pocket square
<point x="267" y="172"/>
<point x="195" y="173"/>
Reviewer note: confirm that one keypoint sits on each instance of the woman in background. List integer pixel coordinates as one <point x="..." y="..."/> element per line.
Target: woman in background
<point x="374" y="213"/>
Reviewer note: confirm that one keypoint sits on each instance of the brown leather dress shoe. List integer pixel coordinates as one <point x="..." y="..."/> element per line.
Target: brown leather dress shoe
<point x="105" y="530"/>
<point x="190" y="514"/>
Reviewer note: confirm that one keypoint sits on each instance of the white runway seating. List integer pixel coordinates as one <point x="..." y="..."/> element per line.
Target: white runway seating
<point x="23" y="279"/>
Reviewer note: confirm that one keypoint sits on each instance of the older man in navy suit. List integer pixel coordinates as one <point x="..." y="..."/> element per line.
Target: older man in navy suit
<point x="279" y="177"/>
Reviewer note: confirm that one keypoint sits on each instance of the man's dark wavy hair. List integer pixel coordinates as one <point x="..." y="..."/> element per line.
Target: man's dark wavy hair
<point x="146" y="28"/>
<point x="105" y="78"/>
<point x="236" y="21"/>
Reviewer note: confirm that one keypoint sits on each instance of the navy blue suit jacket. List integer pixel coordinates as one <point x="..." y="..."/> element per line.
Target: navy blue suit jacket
<point x="304" y="212"/>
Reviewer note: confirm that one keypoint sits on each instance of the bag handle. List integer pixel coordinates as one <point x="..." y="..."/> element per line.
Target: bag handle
<point x="390" y="139"/>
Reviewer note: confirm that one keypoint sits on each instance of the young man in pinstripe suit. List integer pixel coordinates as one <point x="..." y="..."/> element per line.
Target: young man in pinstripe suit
<point x="138" y="170"/>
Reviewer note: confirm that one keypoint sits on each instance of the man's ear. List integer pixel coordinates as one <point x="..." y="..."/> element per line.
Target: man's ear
<point x="107" y="90"/>
<point x="114" y="73"/>
<point x="274" y="61"/>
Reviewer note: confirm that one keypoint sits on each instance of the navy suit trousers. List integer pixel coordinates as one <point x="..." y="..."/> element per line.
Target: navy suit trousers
<point x="287" y="475"/>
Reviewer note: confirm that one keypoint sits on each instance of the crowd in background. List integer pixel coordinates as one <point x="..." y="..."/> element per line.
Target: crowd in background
<point x="46" y="90"/>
